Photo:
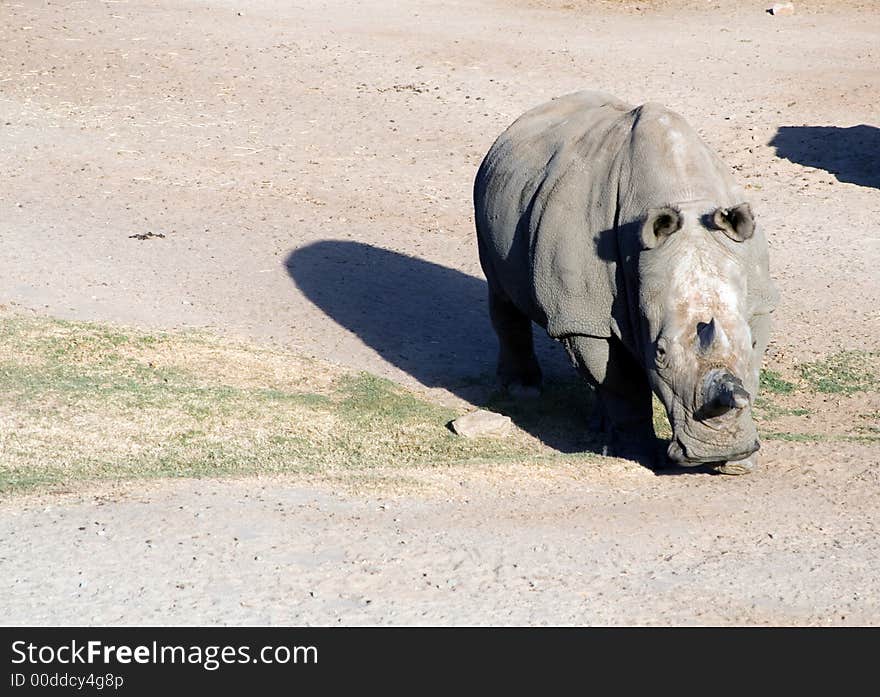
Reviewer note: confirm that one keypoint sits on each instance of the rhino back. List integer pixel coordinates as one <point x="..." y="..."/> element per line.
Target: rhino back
<point x="667" y="163"/>
<point x="544" y="189"/>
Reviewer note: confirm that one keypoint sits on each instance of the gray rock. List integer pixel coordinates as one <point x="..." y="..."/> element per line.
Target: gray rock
<point x="481" y="423"/>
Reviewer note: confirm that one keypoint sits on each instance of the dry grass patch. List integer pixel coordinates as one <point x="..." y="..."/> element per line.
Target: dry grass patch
<point x="84" y="401"/>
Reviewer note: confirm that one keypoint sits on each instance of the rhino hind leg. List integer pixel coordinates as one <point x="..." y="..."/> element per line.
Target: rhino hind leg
<point x="518" y="370"/>
<point x="624" y="412"/>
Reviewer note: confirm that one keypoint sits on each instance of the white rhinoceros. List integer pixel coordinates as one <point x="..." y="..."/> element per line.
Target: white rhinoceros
<point x="617" y="230"/>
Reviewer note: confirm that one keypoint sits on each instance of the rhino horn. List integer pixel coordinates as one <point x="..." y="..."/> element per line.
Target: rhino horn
<point x="709" y="334"/>
<point x="723" y="392"/>
<point x="706" y="334"/>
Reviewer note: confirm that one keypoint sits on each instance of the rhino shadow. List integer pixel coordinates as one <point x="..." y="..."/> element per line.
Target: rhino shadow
<point x="850" y="154"/>
<point x="433" y="323"/>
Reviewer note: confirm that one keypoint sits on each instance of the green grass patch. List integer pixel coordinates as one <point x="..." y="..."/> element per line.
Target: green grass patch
<point x="843" y="373"/>
<point x="766" y="410"/>
<point x="772" y="381"/>
<point x="819" y="437"/>
<point x="81" y="401"/>
<point x="794" y="437"/>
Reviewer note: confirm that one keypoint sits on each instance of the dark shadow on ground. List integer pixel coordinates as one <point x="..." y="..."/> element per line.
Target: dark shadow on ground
<point x="432" y="322"/>
<point x="428" y="320"/>
<point x="850" y="154"/>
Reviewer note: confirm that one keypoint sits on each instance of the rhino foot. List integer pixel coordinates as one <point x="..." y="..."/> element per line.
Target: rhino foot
<point x="745" y="466"/>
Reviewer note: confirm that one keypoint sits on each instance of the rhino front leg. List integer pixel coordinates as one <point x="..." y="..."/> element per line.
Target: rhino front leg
<point x="518" y="368"/>
<point x="624" y="404"/>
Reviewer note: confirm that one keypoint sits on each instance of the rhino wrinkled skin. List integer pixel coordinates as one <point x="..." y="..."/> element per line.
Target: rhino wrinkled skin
<point x="617" y="230"/>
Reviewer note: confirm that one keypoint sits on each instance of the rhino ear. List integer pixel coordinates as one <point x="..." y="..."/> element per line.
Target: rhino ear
<point x="659" y="224"/>
<point x="737" y="223"/>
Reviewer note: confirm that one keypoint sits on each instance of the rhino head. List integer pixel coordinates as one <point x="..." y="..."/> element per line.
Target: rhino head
<point x="697" y="344"/>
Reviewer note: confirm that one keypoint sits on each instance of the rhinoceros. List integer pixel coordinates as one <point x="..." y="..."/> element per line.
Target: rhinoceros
<point x="622" y="234"/>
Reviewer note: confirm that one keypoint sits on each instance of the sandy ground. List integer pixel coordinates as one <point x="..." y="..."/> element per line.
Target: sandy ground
<point x="616" y="545"/>
<point x="310" y="166"/>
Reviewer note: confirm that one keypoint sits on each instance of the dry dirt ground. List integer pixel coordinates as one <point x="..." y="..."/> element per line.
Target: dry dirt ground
<point x="309" y="165"/>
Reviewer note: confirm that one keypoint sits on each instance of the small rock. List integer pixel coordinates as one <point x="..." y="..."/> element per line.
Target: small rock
<point x="481" y="423"/>
<point x="147" y="235"/>
<point x="782" y="8"/>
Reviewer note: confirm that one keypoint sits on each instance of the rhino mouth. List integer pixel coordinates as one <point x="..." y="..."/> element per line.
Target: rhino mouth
<point x="680" y="453"/>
